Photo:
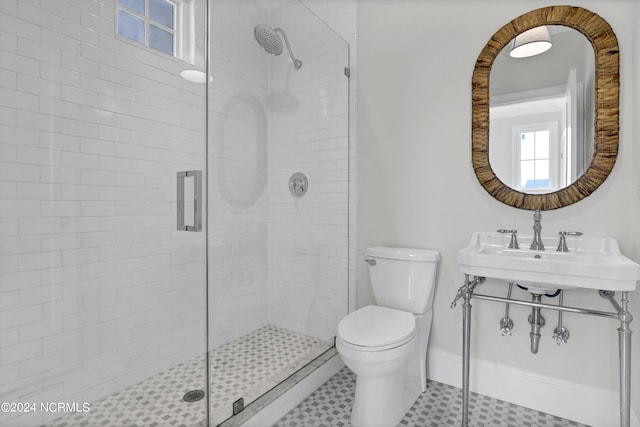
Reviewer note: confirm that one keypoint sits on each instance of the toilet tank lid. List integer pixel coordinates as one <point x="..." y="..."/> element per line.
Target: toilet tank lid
<point x="410" y="254"/>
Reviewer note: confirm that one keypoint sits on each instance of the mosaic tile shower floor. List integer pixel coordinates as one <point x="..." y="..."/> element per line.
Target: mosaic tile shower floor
<point x="330" y="406"/>
<point x="246" y="367"/>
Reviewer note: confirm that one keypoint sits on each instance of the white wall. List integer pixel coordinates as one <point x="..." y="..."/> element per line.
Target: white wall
<point x="417" y="186"/>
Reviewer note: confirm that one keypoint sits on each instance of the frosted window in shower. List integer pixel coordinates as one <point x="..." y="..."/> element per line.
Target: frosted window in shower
<point x="150" y="22"/>
<point x="130" y="26"/>
<point x="160" y="40"/>
<point x="162" y="11"/>
<point x="135" y="5"/>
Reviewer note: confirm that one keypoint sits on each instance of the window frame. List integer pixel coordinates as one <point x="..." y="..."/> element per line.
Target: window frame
<point x="176" y="32"/>
<point x="554" y="155"/>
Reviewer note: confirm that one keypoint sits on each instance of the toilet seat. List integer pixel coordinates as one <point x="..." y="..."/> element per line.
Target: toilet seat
<point x="375" y="328"/>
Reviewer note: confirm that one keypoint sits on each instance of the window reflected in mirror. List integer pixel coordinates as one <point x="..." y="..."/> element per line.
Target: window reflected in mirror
<point x="547" y="97"/>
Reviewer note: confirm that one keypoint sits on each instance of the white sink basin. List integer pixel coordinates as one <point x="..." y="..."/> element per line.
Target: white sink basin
<point x="591" y="263"/>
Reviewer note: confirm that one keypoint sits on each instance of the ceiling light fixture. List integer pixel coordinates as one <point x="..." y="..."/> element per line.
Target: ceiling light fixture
<point x="530" y="43"/>
<point x="195" y="76"/>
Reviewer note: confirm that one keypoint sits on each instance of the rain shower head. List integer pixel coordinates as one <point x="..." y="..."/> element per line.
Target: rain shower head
<point x="268" y="39"/>
<point x="271" y="42"/>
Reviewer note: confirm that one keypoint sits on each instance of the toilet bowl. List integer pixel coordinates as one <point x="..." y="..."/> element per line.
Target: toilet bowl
<point x="377" y="343"/>
<point x="385" y="345"/>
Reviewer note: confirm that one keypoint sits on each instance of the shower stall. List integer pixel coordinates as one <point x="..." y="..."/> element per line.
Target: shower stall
<point x="174" y="206"/>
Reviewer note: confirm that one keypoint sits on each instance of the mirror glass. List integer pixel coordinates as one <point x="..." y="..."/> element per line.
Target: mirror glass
<point x="542" y="114"/>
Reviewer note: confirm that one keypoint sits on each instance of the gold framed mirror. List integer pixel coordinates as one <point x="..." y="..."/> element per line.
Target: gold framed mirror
<point x="606" y="104"/>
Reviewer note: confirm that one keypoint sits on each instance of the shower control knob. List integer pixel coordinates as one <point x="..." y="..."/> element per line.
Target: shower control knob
<point x="298" y="184"/>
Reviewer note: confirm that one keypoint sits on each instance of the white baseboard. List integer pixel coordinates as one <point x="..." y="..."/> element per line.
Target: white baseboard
<point x="572" y="401"/>
<point x="277" y="409"/>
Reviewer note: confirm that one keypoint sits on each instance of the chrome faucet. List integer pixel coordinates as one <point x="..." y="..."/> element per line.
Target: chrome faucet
<point x="537" y="227"/>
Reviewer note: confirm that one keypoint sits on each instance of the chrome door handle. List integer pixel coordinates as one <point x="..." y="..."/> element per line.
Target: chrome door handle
<point x="197" y="200"/>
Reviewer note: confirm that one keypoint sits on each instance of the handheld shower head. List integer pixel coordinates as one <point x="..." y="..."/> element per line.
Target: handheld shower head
<point x="271" y="42"/>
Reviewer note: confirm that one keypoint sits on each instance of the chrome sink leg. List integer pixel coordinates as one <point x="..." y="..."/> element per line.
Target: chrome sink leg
<point x="624" y="349"/>
<point x="466" y="292"/>
<point x="624" y="344"/>
<point x="466" y="348"/>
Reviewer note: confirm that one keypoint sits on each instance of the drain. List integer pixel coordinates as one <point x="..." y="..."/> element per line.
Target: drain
<point x="193" y="396"/>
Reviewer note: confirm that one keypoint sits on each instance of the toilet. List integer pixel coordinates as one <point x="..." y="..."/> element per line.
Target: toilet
<point x="385" y="345"/>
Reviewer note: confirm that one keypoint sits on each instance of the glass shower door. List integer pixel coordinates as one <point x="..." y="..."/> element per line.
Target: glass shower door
<point x="102" y="297"/>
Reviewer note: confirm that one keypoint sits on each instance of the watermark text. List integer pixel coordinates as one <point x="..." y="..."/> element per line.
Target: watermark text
<point x="48" y="407"/>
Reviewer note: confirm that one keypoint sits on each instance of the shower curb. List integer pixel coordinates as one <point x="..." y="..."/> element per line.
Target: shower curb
<point x="272" y="406"/>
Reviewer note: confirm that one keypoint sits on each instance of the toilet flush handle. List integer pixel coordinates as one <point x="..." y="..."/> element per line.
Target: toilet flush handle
<point x="371" y="262"/>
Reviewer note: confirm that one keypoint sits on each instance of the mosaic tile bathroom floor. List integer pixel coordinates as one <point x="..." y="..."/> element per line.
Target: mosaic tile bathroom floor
<point x="330" y="406"/>
<point x="246" y="367"/>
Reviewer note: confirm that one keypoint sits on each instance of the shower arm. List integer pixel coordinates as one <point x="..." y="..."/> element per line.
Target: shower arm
<point x="296" y="62"/>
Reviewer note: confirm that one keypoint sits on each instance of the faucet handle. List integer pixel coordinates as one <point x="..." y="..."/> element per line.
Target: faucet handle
<point x="570" y="233"/>
<point x="513" y="244"/>
<point x="562" y="244"/>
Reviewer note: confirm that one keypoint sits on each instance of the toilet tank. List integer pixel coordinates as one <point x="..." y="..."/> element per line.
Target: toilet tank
<point x="403" y="278"/>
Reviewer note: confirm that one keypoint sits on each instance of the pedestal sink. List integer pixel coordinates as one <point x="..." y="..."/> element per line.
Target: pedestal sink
<point x="591" y="263"/>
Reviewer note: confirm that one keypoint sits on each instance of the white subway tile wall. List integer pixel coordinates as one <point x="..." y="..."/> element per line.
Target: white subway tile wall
<point x="238" y="147"/>
<point x="276" y="259"/>
<point x="308" y="133"/>
<point x="97" y="289"/>
<point x="341" y="15"/>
